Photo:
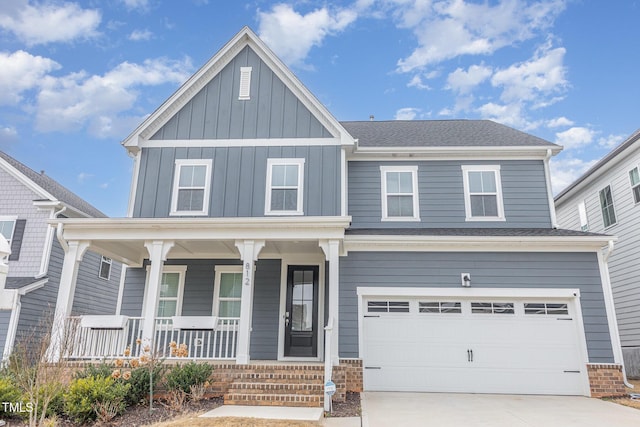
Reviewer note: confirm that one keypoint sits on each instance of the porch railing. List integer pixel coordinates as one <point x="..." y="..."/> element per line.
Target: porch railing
<point x="84" y="343"/>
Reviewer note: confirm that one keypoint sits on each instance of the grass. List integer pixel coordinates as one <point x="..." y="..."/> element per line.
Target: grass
<point x="194" y="421"/>
<point x="626" y="401"/>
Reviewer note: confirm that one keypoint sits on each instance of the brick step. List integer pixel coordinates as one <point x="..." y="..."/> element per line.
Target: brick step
<point x="275" y="388"/>
<point x="277" y="377"/>
<point x="273" y="400"/>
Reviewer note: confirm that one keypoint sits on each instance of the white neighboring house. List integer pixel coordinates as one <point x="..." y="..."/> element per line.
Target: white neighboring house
<point x="606" y="199"/>
<point x="29" y="289"/>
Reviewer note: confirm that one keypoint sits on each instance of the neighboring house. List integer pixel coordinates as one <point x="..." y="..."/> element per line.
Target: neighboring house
<point x="29" y="201"/>
<point x="405" y="255"/>
<point x="606" y="199"/>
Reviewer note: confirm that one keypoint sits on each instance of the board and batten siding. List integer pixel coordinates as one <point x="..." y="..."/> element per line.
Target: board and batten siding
<point x="488" y="270"/>
<point x="624" y="263"/>
<point x="198" y="298"/>
<point x="238" y="177"/>
<point x="215" y="112"/>
<point x="441" y="194"/>
<point x="5" y="317"/>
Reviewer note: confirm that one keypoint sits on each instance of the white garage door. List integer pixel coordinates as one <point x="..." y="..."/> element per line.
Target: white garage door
<point x="477" y="345"/>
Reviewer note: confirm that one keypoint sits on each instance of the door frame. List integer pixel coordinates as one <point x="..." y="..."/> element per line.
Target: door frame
<point x="302" y="260"/>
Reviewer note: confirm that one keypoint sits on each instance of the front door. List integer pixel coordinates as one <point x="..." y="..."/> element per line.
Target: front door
<point x="301" y="316"/>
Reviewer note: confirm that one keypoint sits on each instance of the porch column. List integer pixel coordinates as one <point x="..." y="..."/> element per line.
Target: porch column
<point x="158" y="250"/>
<point x="331" y="249"/>
<point x="74" y="251"/>
<point x="249" y="250"/>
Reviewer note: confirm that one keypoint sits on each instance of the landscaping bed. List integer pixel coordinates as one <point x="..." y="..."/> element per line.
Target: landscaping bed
<point x="627" y="401"/>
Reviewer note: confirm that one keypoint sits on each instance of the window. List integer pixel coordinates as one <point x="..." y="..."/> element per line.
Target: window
<point x="170" y="298"/>
<point x="284" y="187"/>
<point x="606" y="204"/>
<point x="105" y="268"/>
<point x="546" y="308"/>
<point x="6" y="229"/>
<point x="191" y="187"/>
<point x="634" y="177"/>
<point x="439" y="307"/>
<point x="582" y="214"/>
<point x="483" y="193"/>
<point x="227" y="294"/>
<point x="400" y="193"/>
<point x="388" y="306"/>
<point x="492" y="308"/>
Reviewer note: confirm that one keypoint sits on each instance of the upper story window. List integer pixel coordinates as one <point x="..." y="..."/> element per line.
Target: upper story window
<point x="634" y="177"/>
<point x="284" y="187"/>
<point x="105" y="268"/>
<point x="606" y="204"/>
<point x="227" y="295"/>
<point x="483" y="193"/>
<point x="191" y="187"/>
<point x="6" y="228"/>
<point x="582" y="214"/>
<point x="400" y="193"/>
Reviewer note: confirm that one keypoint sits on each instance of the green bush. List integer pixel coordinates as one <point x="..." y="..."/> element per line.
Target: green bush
<point x="182" y="377"/>
<point x="8" y="393"/>
<point x="139" y="381"/>
<point x="85" y="395"/>
<point x="102" y="370"/>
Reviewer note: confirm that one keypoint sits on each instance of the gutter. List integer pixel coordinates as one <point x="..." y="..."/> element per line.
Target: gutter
<point x="547" y="176"/>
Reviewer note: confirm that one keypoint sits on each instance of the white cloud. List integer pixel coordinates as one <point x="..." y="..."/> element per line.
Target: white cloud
<point x="83" y="176"/>
<point x="559" y="122"/>
<point x="8" y="134"/>
<point x="449" y="28"/>
<point x="78" y="99"/>
<point x="408" y="113"/>
<point x="136" y="4"/>
<point x="507" y="114"/>
<point x="575" y="137"/>
<point x="21" y="71"/>
<point x="463" y="82"/>
<point x="42" y="23"/>
<point x="417" y="82"/>
<point x="564" y="171"/>
<point x="138" y="35"/>
<point x="611" y="141"/>
<point x="291" y="35"/>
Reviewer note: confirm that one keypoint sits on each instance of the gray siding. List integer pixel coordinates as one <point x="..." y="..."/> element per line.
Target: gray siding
<point x="239" y="179"/>
<point x="441" y="195"/>
<point x="266" y="310"/>
<point x="490" y="270"/>
<point x="216" y="113"/>
<point x="5" y="316"/>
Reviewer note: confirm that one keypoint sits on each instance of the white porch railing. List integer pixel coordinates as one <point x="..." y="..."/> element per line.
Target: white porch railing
<point x="95" y="343"/>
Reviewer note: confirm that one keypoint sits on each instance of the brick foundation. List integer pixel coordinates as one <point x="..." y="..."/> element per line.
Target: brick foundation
<point x="353" y="370"/>
<point x="606" y="380"/>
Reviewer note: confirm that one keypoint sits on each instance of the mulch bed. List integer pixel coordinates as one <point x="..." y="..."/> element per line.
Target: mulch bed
<point x="349" y="408"/>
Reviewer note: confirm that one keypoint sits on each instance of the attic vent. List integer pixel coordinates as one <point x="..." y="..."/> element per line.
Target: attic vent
<point x="245" y="83"/>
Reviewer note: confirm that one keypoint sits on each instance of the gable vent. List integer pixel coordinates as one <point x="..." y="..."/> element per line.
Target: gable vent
<point x="245" y="83"/>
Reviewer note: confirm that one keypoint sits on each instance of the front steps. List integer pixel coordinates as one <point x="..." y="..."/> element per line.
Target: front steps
<point x="272" y="385"/>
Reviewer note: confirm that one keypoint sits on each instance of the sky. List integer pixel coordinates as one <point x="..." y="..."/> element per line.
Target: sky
<point x="76" y="77"/>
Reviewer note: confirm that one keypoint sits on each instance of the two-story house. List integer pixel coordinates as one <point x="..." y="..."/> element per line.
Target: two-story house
<point x="28" y="202"/>
<point x="401" y="255"/>
<point x="606" y="199"/>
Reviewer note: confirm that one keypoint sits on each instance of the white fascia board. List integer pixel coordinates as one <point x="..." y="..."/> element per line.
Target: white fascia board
<point x="48" y="205"/>
<point x="474" y="243"/>
<point x="258" y="142"/>
<point x="32" y="287"/>
<point x="41" y="192"/>
<point x="468" y="292"/>
<point x="451" y="153"/>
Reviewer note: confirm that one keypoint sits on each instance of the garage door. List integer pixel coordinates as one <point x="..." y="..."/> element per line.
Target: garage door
<point x="478" y="345"/>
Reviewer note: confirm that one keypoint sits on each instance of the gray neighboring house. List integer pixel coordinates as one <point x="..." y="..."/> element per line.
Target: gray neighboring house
<point x="29" y="201"/>
<point x="606" y="199"/>
<point x="412" y="255"/>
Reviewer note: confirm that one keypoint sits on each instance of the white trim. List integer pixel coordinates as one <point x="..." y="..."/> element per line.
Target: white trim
<point x="547" y="177"/>
<point x="613" y="205"/>
<point x="179" y="164"/>
<point x="133" y="189"/>
<point x="344" y="189"/>
<point x="244" y="92"/>
<point x="32" y="287"/>
<point x="467" y="194"/>
<point x="384" y="194"/>
<point x="123" y="275"/>
<point x="12" y="327"/>
<point x="9" y="218"/>
<point x="271" y="162"/>
<point x="631" y="185"/>
<point x="583" y="218"/>
<point x="219" y="271"/>
<point x="182" y="271"/>
<point x="451" y="153"/>
<point x="228" y="143"/>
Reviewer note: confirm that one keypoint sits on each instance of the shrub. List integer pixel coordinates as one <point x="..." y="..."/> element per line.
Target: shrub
<point x="87" y="397"/>
<point x="182" y="377"/>
<point x="139" y="391"/>
<point x="8" y="393"/>
<point x="102" y="370"/>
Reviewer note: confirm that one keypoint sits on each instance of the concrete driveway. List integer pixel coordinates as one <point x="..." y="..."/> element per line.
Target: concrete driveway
<point x="491" y="410"/>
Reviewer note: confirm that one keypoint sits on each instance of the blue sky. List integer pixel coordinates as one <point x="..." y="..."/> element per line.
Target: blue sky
<point x="77" y="77"/>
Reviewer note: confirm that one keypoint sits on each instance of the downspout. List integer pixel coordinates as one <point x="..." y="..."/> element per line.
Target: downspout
<point x="613" y="323"/>
<point x="547" y="176"/>
<point x="59" y="230"/>
<point x="46" y="255"/>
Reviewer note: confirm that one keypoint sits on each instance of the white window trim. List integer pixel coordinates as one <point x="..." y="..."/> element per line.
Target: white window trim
<point x="630" y="184"/>
<point x="219" y="271"/>
<point x="383" y="192"/>
<point x="467" y="195"/>
<point x="613" y="204"/>
<point x="284" y="162"/>
<point x="583" y="218"/>
<point x="14" y="219"/>
<point x="105" y="260"/>
<point x="182" y="270"/>
<point x="179" y="163"/>
<point x="244" y="93"/>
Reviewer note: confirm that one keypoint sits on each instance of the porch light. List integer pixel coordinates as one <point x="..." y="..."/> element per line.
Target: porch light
<point x="466" y="280"/>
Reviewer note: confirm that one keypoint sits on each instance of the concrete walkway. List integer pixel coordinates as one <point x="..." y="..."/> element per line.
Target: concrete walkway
<point x="480" y="410"/>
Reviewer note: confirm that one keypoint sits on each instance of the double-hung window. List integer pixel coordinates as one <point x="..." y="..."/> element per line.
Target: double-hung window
<point x="227" y="294"/>
<point x="400" y="193"/>
<point x="483" y="193"/>
<point x="634" y="178"/>
<point x="606" y="204"/>
<point x="171" y="290"/>
<point x="285" y="179"/>
<point x="191" y="187"/>
<point x="582" y="215"/>
<point x="105" y="268"/>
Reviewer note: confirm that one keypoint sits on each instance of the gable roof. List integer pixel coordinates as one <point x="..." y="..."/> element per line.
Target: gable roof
<point x="46" y="187"/>
<point x="441" y="133"/>
<point x="601" y="166"/>
<point x="246" y="37"/>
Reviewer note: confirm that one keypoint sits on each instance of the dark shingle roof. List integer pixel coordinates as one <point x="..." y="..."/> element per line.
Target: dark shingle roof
<point x="440" y="133"/>
<point x="52" y="187"/>
<point x="19" y="282"/>
<point x="469" y="232"/>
